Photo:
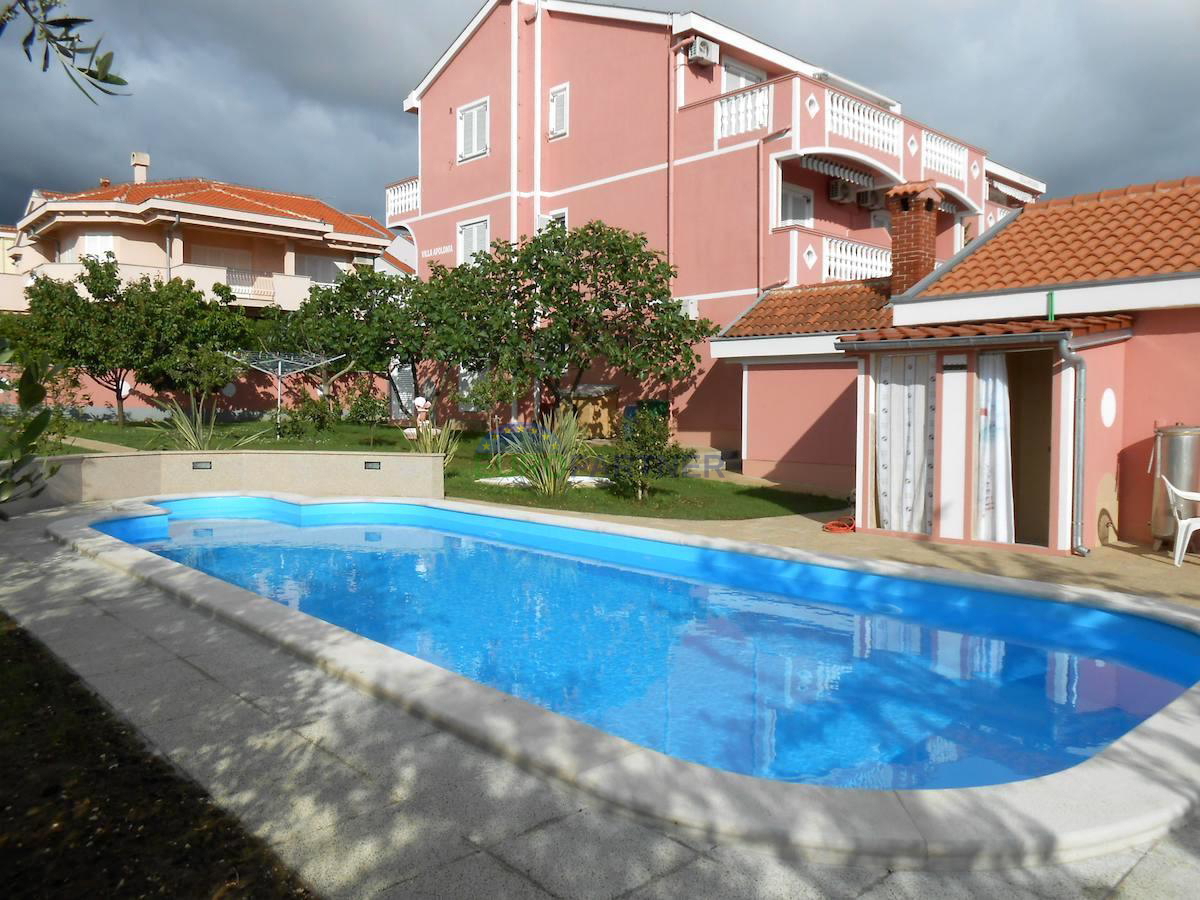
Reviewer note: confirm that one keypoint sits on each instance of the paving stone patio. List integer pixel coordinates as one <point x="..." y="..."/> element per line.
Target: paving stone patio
<point x="364" y="800"/>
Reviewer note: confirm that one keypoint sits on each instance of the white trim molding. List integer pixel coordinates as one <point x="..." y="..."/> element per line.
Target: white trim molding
<point x="1126" y="295"/>
<point x="794" y="345"/>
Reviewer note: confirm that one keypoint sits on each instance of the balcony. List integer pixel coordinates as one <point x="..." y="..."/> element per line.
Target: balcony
<point x="944" y="155"/>
<point x="849" y="260"/>
<point x="746" y="110"/>
<point x="250" y="288"/>
<point x="865" y="124"/>
<point x="401" y="199"/>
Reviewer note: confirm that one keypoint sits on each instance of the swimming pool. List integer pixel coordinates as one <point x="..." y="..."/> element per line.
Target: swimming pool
<point x="745" y="663"/>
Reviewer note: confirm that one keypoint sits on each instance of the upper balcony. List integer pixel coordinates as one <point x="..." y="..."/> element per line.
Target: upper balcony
<point x="402" y="200"/>
<point x="805" y="116"/>
<point x="250" y="288"/>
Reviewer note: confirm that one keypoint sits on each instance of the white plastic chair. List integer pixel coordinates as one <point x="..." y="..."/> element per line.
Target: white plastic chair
<point x="1184" y="527"/>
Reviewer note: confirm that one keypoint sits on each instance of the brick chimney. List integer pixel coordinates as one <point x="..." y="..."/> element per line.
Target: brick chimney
<point x="914" y="209"/>
<point x="141" y="167"/>
<point x="105" y="182"/>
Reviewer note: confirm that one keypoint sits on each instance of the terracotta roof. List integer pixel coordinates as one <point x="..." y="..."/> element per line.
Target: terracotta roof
<point x="817" y="309"/>
<point x="1077" y="325"/>
<point x="396" y="262"/>
<point x="219" y="194"/>
<point x="1132" y="232"/>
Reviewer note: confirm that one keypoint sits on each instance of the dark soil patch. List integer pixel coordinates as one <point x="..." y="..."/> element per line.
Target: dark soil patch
<point x="87" y="811"/>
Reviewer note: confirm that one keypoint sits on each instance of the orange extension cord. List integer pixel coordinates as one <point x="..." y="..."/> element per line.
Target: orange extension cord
<point x="844" y="525"/>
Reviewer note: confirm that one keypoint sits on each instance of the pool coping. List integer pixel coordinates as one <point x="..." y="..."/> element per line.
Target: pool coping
<point x="1133" y="791"/>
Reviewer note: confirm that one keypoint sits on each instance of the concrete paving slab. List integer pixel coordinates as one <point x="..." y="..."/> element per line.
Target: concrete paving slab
<point x="362" y="856"/>
<point x="734" y="876"/>
<point x="588" y="855"/>
<point x="479" y="875"/>
<point x="365" y="732"/>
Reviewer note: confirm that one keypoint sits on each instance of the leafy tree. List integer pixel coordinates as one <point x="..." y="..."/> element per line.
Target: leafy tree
<point x="58" y="34"/>
<point x="644" y="453"/>
<point x="376" y="319"/>
<point x="562" y="300"/>
<point x="20" y="474"/>
<point x="165" y="333"/>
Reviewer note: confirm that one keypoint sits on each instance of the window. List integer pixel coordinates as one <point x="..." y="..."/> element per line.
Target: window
<point x="795" y="205"/>
<point x="321" y="269"/>
<point x="88" y="245"/>
<point x="560" y="110"/>
<point x="558" y="217"/>
<point x="222" y="257"/>
<point x="467" y="379"/>
<point x="735" y="75"/>
<point x="473" y="130"/>
<point x="473" y="238"/>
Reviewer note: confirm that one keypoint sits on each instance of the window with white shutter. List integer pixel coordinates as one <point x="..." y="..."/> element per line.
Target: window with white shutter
<point x="560" y="110"/>
<point x="467" y="379"/>
<point x="473" y="238"/>
<point x="96" y="245"/>
<point x="735" y="76"/>
<point x="473" y="130"/>
<point x="321" y="269"/>
<point x="222" y="257"/>
<point x="795" y="205"/>
<point x="558" y="217"/>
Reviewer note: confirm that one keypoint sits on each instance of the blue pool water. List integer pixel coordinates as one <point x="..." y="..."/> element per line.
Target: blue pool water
<point x="754" y="665"/>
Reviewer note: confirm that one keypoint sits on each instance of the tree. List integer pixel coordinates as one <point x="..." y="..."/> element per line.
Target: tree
<point x="561" y="301"/>
<point x="87" y="68"/>
<point x="375" y="320"/>
<point x="20" y="475"/>
<point x="165" y="333"/>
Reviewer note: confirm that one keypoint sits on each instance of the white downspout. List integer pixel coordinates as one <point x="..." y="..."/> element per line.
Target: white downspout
<point x="1077" y="463"/>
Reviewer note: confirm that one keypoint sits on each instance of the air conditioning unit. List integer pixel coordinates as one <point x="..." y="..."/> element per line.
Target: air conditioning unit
<point x="704" y="52"/>
<point x="842" y="191"/>
<point x="870" y="199"/>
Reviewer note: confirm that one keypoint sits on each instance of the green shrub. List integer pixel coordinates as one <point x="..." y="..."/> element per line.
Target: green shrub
<point x="644" y="453"/>
<point x="367" y="405"/>
<point x="312" y="415"/>
<point x="549" y="452"/>
<point x="433" y="439"/>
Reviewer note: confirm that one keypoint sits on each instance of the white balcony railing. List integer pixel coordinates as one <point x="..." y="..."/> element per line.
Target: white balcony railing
<point x="403" y="197"/>
<point x="747" y="110"/>
<point x="849" y="261"/>
<point x="944" y="155"/>
<point x="866" y="124"/>
<point x="248" y="285"/>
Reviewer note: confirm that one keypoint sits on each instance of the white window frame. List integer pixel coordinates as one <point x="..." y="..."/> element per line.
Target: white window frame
<point x="547" y="217"/>
<point x="739" y="68"/>
<point x="486" y="221"/>
<point x="565" y="91"/>
<point x="460" y="121"/>
<point x="785" y="188"/>
<point x="83" y="249"/>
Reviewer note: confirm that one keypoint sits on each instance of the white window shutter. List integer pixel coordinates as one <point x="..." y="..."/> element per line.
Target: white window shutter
<point x="481" y="129"/>
<point x="559" y="100"/>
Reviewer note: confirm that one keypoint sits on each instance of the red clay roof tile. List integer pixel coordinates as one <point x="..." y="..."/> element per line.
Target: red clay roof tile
<point x="219" y="194"/>
<point x="1077" y="325"/>
<point x="1132" y="232"/>
<point x="817" y="309"/>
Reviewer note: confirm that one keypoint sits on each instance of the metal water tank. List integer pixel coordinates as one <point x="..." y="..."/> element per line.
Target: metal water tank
<point x="1176" y="455"/>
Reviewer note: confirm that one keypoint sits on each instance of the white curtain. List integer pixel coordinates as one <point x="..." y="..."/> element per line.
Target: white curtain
<point x="993" y="480"/>
<point x="904" y="439"/>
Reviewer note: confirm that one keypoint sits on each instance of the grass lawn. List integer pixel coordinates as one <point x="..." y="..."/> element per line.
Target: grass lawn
<point x="89" y="812"/>
<point x="672" y="498"/>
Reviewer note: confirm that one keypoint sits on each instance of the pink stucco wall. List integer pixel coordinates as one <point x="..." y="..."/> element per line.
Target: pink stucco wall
<point x="1160" y="374"/>
<point x="802" y="425"/>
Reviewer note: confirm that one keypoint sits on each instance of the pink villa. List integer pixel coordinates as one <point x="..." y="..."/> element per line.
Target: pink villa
<point x="748" y="167"/>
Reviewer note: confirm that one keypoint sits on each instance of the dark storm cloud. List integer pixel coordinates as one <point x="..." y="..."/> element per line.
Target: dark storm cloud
<point x="306" y="96"/>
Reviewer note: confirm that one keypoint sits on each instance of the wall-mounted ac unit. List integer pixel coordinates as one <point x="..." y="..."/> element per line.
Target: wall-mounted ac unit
<point x="703" y="52"/>
<point x="870" y="199"/>
<point x="842" y="191"/>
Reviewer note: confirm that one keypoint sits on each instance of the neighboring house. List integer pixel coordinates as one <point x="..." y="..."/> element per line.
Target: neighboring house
<point x="8" y="237"/>
<point x="746" y="166"/>
<point x="1009" y="396"/>
<point x="268" y="246"/>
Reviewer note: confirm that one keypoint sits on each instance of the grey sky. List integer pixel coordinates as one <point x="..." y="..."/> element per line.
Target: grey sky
<point x="306" y="95"/>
